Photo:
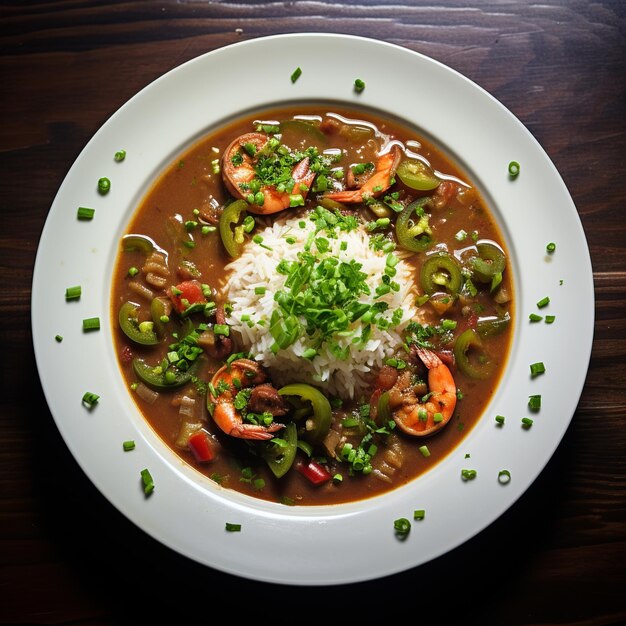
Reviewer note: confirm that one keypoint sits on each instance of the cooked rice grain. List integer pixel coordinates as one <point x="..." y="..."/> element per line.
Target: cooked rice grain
<point x="256" y="267"/>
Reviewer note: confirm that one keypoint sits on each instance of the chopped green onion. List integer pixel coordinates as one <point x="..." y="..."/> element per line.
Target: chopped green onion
<point x="222" y="329"/>
<point x="526" y="422"/>
<point x="73" y="293"/>
<point x="296" y="74"/>
<point x="233" y="528"/>
<point x="260" y="291"/>
<point x="425" y="451"/>
<point x="504" y="477"/>
<point x="514" y="169"/>
<point x="551" y="247"/>
<point x="533" y="317"/>
<point x="90" y="399"/>
<point x="120" y="155"/>
<point x="205" y="230"/>
<point x="309" y="353"/>
<point x="543" y="302"/>
<point x="337" y="478"/>
<point x="402" y="526"/>
<point x="461" y="235"/>
<point x="537" y="368"/>
<point x="550" y="319"/>
<point x="91" y="323"/>
<point x="148" y="482"/>
<point x="85" y="213"/>
<point x="359" y="85"/>
<point x="59" y="338"/>
<point x="534" y="402"/>
<point x="128" y="445"/>
<point x="419" y="514"/>
<point x="248" y="224"/>
<point x="133" y="271"/>
<point x="500" y="419"/>
<point x="104" y="185"/>
<point x="468" y="474"/>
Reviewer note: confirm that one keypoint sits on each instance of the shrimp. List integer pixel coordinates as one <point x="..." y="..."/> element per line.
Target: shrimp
<point x="239" y="174"/>
<point x="421" y="417"/>
<point x="227" y="381"/>
<point x="376" y="184"/>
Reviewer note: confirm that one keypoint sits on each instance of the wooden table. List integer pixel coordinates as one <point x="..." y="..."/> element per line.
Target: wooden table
<point x="557" y="557"/>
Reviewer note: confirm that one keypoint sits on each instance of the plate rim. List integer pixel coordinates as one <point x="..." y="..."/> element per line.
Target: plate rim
<point x="307" y="515"/>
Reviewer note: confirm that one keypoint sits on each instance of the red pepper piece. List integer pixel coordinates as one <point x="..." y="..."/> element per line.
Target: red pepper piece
<point x="185" y="294"/>
<point x="314" y="472"/>
<point x="200" y="444"/>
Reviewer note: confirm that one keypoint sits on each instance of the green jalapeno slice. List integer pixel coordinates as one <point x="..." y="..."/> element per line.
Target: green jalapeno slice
<point x="489" y="263"/>
<point x="417" y="175"/>
<point x="160" y="378"/>
<point x="414" y="235"/>
<point x="138" y="242"/>
<point x="141" y="333"/>
<point x="312" y="131"/>
<point x="492" y="326"/>
<point x="470" y="357"/>
<point x="279" y="454"/>
<point x="441" y="272"/>
<point x="234" y="213"/>
<point x="318" y="424"/>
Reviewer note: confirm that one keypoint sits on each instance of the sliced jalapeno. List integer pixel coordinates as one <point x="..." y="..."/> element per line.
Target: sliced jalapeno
<point x="299" y="127"/>
<point x="144" y="333"/>
<point x="492" y="326"/>
<point x="138" y="242"/>
<point x="414" y="235"/>
<point x="319" y="424"/>
<point x="417" y="175"/>
<point x="489" y="262"/>
<point x="280" y="456"/>
<point x="441" y="272"/>
<point x="477" y="364"/>
<point x="234" y="213"/>
<point x="160" y="378"/>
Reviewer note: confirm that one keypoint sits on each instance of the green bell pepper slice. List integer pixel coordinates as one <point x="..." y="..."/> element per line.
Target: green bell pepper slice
<point x="144" y="333"/>
<point x="489" y="263"/>
<point x="158" y="378"/>
<point x="417" y="175"/>
<point x="234" y="213"/>
<point x="280" y="457"/>
<point x="137" y="242"/>
<point x="492" y="326"/>
<point x="441" y="272"/>
<point x="322" y="411"/>
<point x="480" y="367"/>
<point x="413" y="235"/>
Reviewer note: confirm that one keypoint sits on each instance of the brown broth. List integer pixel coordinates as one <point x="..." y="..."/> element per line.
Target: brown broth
<point x="189" y="184"/>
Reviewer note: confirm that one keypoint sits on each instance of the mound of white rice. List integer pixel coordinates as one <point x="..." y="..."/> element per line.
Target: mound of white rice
<point x="256" y="267"/>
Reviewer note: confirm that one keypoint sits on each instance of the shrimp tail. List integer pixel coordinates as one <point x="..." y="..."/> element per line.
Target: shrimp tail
<point x="255" y="432"/>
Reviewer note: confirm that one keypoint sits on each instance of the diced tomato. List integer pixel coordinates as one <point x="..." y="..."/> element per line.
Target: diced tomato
<point x="314" y="472"/>
<point x="185" y="294"/>
<point x="200" y="444"/>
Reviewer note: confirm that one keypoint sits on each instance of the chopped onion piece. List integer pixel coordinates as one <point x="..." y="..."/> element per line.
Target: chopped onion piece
<point x="187" y="406"/>
<point x="146" y="394"/>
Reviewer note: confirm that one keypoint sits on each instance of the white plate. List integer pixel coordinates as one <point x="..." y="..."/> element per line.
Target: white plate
<point x="326" y="544"/>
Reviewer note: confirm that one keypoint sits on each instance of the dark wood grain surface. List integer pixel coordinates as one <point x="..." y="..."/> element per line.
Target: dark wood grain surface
<point x="558" y="556"/>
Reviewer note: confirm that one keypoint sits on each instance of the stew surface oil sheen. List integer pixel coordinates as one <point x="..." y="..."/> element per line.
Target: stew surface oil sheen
<point x="337" y="172"/>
